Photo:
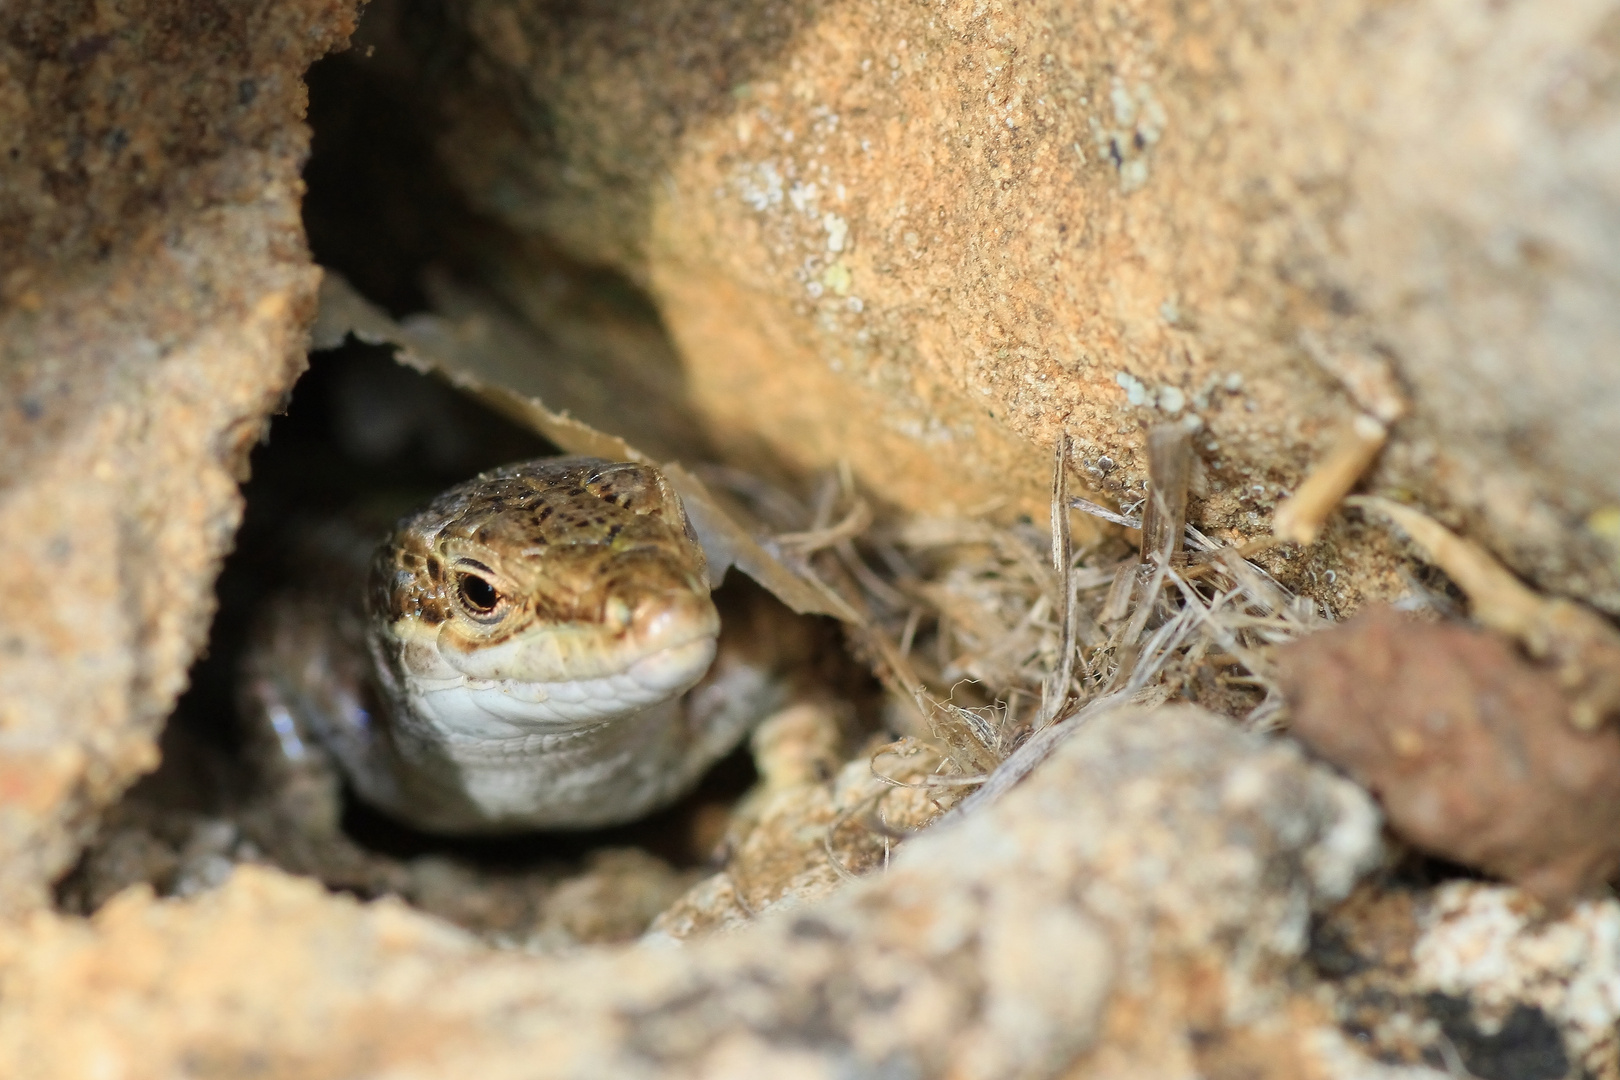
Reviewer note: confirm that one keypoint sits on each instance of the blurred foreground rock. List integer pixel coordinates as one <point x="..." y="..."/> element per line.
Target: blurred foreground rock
<point x="1480" y="972"/>
<point x="1138" y="907"/>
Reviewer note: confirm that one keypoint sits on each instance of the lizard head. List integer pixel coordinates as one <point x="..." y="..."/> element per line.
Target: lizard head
<point x="554" y="594"/>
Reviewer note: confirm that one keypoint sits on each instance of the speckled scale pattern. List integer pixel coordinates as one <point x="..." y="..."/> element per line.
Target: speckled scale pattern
<point x="532" y="634"/>
<point x="605" y="524"/>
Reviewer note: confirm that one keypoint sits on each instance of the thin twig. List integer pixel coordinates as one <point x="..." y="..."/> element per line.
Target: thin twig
<point x="1055" y="690"/>
<point x="856" y="522"/>
<point x="1169" y="469"/>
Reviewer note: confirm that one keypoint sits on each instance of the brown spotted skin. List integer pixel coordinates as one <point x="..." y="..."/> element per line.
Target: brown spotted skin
<point x="588" y="530"/>
<point x="576" y="575"/>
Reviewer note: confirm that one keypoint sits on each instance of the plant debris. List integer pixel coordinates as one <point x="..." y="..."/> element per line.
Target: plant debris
<point x="1006" y="652"/>
<point x="1301" y="516"/>
<point x="1466" y="743"/>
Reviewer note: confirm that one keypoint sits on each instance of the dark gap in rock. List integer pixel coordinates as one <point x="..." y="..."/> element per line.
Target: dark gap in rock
<point x="378" y="208"/>
<point x="382" y="210"/>
<point x="1417" y="871"/>
<point x="1527" y="1046"/>
<point x="362" y="431"/>
<point x="1332" y="952"/>
<point x="360" y="428"/>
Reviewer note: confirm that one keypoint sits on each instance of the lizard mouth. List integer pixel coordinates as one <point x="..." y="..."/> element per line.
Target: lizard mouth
<point x="646" y="642"/>
<point x="468" y="706"/>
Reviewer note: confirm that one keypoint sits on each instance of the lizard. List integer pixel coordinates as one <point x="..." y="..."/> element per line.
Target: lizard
<point x="536" y="648"/>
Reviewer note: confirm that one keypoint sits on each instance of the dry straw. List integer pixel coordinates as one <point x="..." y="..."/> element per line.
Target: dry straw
<point x="998" y="638"/>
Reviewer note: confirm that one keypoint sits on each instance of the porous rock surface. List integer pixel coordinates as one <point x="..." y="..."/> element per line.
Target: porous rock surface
<point x="928" y="238"/>
<point x="1519" y="993"/>
<point x="154" y="293"/>
<point x="1133" y="909"/>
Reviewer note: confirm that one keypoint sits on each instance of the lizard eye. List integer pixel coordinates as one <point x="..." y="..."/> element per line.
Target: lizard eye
<point x="478" y="596"/>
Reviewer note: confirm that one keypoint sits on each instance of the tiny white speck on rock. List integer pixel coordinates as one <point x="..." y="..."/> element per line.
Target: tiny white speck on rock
<point x="837" y="232"/>
<point x="1136" y="392"/>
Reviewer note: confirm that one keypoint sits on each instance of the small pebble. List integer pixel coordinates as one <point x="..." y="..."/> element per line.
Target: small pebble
<point x="1467" y="744"/>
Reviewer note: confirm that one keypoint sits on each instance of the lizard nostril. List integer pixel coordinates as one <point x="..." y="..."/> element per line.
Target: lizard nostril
<point x="616" y="613"/>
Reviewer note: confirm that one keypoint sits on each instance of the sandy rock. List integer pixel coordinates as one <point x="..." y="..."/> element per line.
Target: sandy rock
<point x="1149" y="887"/>
<point x="156" y="288"/>
<point x="1516" y="994"/>
<point x="928" y="239"/>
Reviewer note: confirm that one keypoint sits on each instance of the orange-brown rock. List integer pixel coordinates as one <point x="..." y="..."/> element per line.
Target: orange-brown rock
<point x="931" y="238"/>
<point x="154" y="293"/>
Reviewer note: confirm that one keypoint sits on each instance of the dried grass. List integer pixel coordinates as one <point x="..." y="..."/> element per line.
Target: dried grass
<point x="990" y="634"/>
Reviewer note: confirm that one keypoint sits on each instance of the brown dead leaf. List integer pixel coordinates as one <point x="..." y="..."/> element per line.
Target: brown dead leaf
<point x="1467" y="744"/>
